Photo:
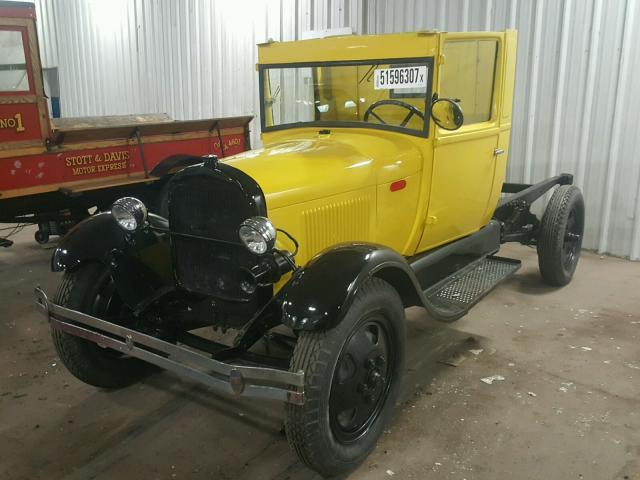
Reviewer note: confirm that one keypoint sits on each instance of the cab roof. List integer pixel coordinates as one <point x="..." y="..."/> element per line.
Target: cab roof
<point x="360" y="47"/>
<point x="350" y="47"/>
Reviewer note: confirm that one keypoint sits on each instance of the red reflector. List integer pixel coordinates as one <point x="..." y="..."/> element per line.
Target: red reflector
<point x="398" y="185"/>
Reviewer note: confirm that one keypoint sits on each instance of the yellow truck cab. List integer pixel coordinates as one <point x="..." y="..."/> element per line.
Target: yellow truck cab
<point x="380" y="186"/>
<point x="348" y="119"/>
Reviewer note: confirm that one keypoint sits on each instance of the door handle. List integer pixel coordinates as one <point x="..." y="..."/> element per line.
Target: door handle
<point x="498" y="151"/>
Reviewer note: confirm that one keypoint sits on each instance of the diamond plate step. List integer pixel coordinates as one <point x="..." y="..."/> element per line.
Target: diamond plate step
<point x="460" y="291"/>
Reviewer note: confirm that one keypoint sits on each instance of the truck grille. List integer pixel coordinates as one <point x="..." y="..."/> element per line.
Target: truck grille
<point x="211" y="207"/>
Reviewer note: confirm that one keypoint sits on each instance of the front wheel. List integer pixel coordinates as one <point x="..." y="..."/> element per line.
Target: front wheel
<point x="353" y="374"/>
<point x="560" y="237"/>
<point x="90" y="289"/>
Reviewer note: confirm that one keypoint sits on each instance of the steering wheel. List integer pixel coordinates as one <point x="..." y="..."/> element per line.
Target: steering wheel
<point x="412" y="111"/>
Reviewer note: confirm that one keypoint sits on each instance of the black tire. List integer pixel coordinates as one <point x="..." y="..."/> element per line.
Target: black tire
<point x="41" y="237"/>
<point x="316" y="431"/>
<point x="101" y="367"/>
<point x="560" y="236"/>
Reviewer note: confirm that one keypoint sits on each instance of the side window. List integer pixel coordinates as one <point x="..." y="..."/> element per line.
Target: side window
<point x="290" y="94"/>
<point x="468" y="74"/>
<point x="13" y="68"/>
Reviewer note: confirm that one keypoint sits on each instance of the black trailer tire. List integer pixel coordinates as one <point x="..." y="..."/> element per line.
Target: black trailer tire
<point x="323" y="438"/>
<point x="90" y="363"/>
<point x="41" y="237"/>
<point x="560" y="236"/>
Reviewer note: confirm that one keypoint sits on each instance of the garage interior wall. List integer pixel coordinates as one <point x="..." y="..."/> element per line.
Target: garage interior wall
<point x="576" y="109"/>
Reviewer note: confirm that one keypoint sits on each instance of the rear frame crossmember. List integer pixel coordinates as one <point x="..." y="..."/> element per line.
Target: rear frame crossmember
<point x="517" y="222"/>
<point x="530" y="193"/>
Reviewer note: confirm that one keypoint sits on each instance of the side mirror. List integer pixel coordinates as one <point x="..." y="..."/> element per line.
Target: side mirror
<point x="447" y="114"/>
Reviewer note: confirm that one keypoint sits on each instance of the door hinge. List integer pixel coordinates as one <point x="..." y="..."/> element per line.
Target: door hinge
<point x="431" y="219"/>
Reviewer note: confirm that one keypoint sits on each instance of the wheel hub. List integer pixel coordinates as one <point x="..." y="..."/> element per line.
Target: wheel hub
<point x="360" y="382"/>
<point x="571" y="242"/>
<point x="372" y="386"/>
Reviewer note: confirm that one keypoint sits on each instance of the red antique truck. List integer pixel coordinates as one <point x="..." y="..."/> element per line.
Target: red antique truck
<point x="54" y="171"/>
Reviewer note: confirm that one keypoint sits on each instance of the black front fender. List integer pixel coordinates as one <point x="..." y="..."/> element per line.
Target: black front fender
<point x="90" y="240"/>
<point x="139" y="263"/>
<point x="319" y="295"/>
<point x="96" y="237"/>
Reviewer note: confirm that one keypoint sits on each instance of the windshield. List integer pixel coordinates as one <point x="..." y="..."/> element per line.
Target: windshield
<point x="386" y="94"/>
<point x="13" y="68"/>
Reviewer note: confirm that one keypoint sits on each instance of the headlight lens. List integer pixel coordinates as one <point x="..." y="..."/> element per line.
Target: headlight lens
<point x="258" y="234"/>
<point x="129" y="212"/>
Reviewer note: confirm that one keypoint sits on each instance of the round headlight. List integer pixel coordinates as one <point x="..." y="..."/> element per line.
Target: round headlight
<point x="258" y="234"/>
<point x="129" y="212"/>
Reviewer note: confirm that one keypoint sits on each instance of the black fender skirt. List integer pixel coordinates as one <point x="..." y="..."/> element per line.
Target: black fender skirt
<point x="319" y="295"/>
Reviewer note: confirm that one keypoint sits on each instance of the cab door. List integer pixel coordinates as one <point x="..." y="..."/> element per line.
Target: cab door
<point x="464" y="160"/>
<point x="23" y="110"/>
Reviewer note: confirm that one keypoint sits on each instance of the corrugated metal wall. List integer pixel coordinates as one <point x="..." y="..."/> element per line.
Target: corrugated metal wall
<point x="575" y="108"/>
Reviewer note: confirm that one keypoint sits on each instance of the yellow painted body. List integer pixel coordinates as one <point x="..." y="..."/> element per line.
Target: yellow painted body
<point x="329" y="188"/>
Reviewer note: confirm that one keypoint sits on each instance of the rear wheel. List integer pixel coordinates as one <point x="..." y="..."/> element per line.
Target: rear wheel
<point x="560" y="237"/>
<point x="353" y="374"/>
<point x="90" y="289"/>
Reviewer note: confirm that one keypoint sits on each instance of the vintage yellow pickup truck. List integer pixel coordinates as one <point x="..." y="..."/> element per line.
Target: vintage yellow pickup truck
<point x="380" y="186"/>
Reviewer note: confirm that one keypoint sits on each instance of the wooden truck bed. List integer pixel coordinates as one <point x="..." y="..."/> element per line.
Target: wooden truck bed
<point x="81" y="154"/>
<point x="89" y="162"/>
<point x="53" y="171"/>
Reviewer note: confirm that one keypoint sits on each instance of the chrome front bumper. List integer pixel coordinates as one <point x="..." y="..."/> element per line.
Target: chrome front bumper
<point x="249" y="381"/>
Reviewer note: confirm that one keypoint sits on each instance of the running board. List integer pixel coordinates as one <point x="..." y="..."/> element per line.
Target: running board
<point x="456" y="294"/>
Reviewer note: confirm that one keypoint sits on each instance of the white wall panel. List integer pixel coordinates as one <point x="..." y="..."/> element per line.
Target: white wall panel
<point x="576" y="109"/>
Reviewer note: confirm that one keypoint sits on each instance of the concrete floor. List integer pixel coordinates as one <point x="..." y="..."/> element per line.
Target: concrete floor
<point x="568" y="407"/>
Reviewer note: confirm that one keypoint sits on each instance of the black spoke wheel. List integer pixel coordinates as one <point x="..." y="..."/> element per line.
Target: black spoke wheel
<point x="572" y="241"/>
<point x="353" y="373"/>
<point x="90" y="289"/>
<point x="361" y="381"/>
<point x="560" y="236"/>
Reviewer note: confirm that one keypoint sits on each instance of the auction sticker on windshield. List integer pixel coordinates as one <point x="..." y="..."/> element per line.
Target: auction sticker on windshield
<point x="400" y="77"/>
